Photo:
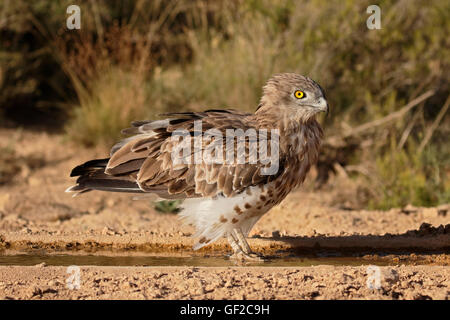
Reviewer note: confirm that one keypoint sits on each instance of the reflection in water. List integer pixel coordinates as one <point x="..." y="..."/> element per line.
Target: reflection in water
<point x="30" y="259"/>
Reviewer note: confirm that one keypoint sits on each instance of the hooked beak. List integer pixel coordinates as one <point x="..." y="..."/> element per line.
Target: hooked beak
<point x="322" y="105"/>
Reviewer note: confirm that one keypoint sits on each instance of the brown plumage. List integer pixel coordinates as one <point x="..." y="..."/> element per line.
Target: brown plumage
<point x="223" y="199"/>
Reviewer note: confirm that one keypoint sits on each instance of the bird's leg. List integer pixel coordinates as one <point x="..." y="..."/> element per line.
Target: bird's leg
<point x="242" y="241"/>
<point x="245" y="247"/>
<point x="234" y="244"/>
<point x="240" y="247"/>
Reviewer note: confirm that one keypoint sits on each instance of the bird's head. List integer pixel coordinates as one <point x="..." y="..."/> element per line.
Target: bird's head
<point x="300" y="96"/>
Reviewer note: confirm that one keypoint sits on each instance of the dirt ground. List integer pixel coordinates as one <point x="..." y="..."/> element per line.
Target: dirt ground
<point x="320" y="282"/>
<point x="36" y="214"/>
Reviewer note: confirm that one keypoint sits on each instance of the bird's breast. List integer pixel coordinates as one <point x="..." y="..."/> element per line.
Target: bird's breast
<point x="302" y="151"/>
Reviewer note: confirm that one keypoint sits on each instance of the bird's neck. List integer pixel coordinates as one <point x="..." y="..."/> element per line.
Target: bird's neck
<point x="299" y="139"/>
<point x="287" y="120"/>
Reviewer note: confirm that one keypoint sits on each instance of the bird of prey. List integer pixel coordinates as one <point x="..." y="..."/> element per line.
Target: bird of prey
<point x="222" y="198"/>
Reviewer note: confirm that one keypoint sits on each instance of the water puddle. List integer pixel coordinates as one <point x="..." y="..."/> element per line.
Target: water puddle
<point x="55" y="259"/>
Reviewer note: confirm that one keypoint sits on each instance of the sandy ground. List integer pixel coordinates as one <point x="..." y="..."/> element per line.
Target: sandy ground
<point x="321" y="282"/>
<point x="35" y="214"/>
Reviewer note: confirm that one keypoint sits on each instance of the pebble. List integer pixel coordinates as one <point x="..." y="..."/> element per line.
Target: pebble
<point x="442" y="210"/>
<point x="34" y="291"/>
<point x="26" y="230"/>
<point x="108" y="231"/>
<point x="4" y="198"/>
<point x="390" y="276"/>
<point x="410" y="209"/>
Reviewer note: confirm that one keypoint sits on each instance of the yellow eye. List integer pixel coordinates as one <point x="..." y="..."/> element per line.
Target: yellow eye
<point x="299" y="94"/>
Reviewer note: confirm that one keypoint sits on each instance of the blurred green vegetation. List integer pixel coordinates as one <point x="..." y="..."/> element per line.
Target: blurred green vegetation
<point x="136" y="59"/>
<point x="408" y="177"/>
<point x="168" y="206"/>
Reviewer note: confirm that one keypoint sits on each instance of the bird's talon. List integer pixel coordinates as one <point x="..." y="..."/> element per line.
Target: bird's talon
<point x="246" y="257"/>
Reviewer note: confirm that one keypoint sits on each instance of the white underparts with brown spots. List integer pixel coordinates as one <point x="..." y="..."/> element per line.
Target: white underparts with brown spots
<point x="216" y="217"/>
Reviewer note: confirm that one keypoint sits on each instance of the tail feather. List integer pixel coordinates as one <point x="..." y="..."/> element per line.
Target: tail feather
<point x="91" y="176"/>
<point x="89" y="166"/>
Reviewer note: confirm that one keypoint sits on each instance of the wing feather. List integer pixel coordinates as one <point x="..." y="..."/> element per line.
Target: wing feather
<point x="148" y="157"/>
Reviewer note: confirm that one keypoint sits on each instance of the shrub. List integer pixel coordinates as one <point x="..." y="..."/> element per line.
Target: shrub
<point x="406" y="177"/>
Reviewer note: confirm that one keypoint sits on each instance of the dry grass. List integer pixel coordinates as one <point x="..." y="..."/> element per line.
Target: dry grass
<point x="109" y="78"/>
